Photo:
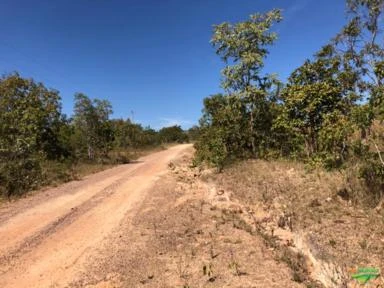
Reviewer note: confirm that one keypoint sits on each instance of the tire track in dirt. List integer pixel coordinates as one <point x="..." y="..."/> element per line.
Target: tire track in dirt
<point x="21" y="228"/>
<point x="10" y="210"/>
<point x="54" y="253"/>
<point x="25" y="225"/>
<point x="31" y="242"/>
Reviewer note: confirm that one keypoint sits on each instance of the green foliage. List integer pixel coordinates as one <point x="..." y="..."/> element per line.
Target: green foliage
<point x="173" y="134"/>
<point x="222" y="129"/>
<point x="317" y="104"/>
<point x="19" y="175"/>
<point x="244" y="46"/>
<point x="333" y="139"/>
<point x="92" y="126"/>
<point x="362" y="117"/>
<point x="193" y="133"/>
<point x="325" y="114"/>
<point x="211" y="148"/>
<point x="238" y="125"/>
<point x="131" y="135"/>
<point x="361" y="46"/>
<point x="29" y="119"/>
<point x="29" y="113"/>
<point x="38" y="144"/>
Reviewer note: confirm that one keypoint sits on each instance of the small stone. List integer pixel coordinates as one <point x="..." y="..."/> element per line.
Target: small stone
<point x="315" y="203"/>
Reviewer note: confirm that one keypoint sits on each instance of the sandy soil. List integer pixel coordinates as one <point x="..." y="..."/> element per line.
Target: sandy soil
<point x="45" y="239"/>
<point x="154" y="223"/>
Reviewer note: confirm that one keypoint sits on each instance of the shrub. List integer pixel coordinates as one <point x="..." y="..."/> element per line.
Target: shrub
<point x="20" y="176"/>
<point x="372" y="172"/>
<point x="211" y="148"/>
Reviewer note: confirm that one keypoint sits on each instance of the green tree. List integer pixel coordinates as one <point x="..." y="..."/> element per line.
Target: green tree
<point x="29" y="119"/>
<point x="361" y="46"/>
<point x="132" y="135"/>
<point x="243" y="47"/>
<point x="122" y="135"/>
<point x="193" y="133"/>
<point x="173" y="134"/>
<point x="242" y="119"/>
<point x="148" y="137"/>
<point x="318" y="101"/>
<point x="222" y="128"/>
<point x="92" y="124"/>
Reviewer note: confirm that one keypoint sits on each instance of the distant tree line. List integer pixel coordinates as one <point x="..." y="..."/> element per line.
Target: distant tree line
<point x="34" y="133"/>
<point x="329" y="112"/>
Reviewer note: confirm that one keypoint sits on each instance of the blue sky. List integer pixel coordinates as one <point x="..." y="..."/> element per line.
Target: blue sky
<point x="149" y="57"/>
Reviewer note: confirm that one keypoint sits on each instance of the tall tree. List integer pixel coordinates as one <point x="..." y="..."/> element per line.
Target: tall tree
<point x="243" y="47"/>
<point x="361" y="45"/>
<point x="320" y="93"/>
<point x="239" y="124"/>
<point x="92" y="121"/>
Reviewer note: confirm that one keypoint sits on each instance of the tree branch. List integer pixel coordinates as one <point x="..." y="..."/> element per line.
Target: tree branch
<point x="378" y="152"/>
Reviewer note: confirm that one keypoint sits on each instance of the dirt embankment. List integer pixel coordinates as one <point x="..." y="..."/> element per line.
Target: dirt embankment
<point x="310" y="219"/>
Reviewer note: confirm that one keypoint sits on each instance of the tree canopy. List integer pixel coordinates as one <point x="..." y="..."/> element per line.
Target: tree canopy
<point x="326" y="113"/>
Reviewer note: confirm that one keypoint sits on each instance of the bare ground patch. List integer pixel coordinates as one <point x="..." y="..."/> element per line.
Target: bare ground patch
<point x="186" y="234"/>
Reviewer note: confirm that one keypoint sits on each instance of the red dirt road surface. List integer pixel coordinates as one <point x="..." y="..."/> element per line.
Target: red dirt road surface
<point x="45" y="239"/>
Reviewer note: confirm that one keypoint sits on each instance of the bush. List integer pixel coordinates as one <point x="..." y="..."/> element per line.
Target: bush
<point x="372" y="172"/>
<point x="120" y="158"/>
<point x="173" y="134"/>
<point x="20" y="176"/>
<point x="58" y="171"/>
<point x="211" y="148"/>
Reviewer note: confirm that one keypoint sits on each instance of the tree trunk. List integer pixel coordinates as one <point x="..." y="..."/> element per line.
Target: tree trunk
<point x="90" y="153"/>
<point x="251" y="120"/>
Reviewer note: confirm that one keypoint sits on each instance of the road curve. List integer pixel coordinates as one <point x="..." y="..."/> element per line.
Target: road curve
<point x="45" y="239"/>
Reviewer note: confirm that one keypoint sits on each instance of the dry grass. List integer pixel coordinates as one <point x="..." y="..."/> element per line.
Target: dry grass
<point x="56" y="173"/>
<point x="316" y="204"/>
<point x="135" y="153"/>
<point x="82" y="169"/>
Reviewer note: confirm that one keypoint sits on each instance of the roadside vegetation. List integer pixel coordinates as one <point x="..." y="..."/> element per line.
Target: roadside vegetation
<point x="39" y="145"/>
<point x="328" y="114"/>
<point x="303" y="157"/>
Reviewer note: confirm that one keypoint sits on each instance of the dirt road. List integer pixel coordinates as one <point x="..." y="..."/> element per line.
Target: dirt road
<point x="46" y="239"/>
<point x="156" y="223"/>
